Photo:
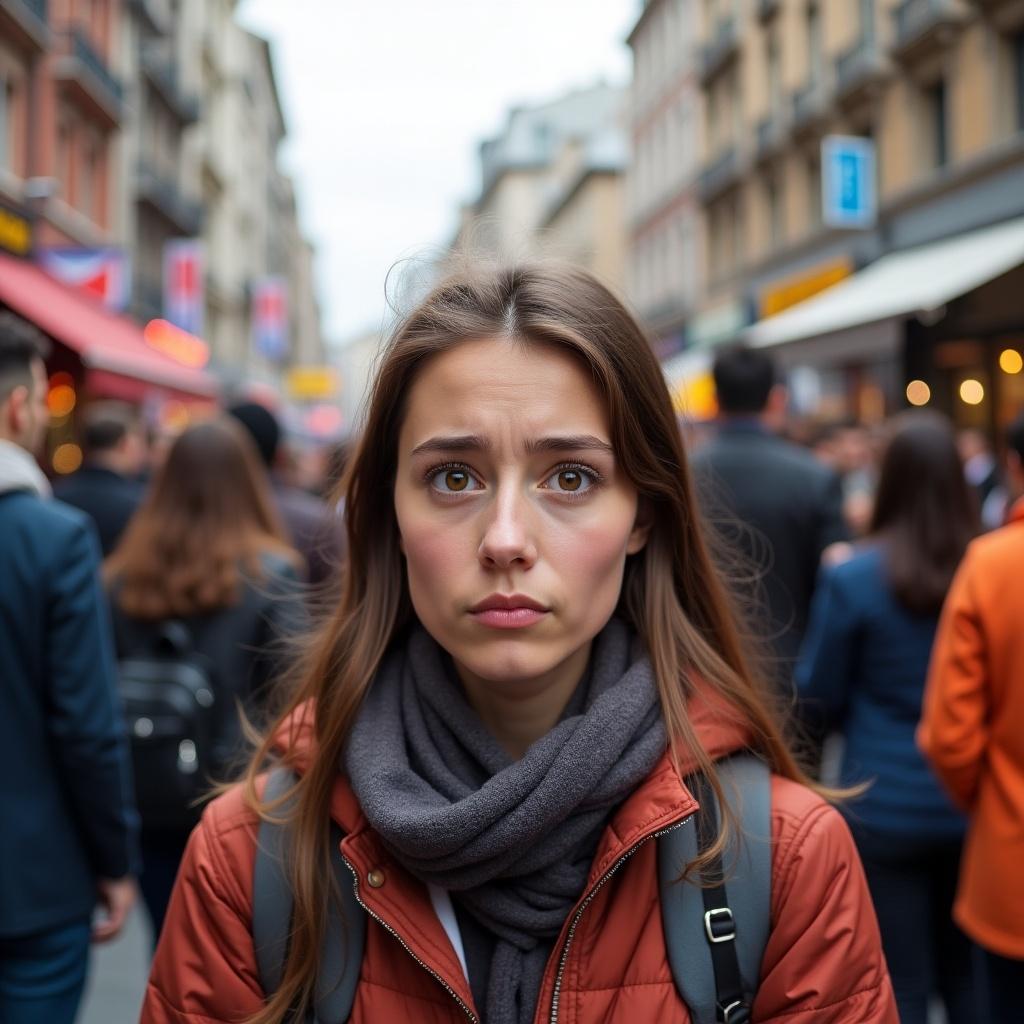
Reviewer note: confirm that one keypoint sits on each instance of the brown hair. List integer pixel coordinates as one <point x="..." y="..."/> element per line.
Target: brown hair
<point x="924" y="510"/>
<point x="208" y="516"/>
<point x="671" y="594"/>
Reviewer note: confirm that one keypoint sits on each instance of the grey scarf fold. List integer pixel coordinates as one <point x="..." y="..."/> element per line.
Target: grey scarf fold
<point x="513" y="839"/>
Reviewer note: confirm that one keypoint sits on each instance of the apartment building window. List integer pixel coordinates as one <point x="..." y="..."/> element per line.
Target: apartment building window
<point x="774" y="66"/>
<point x="814" y="191"/>
<point x="814" y="43"/>
<point x="1018" y="76"/>
<point x="936" y="106"/>
<point x="773" y="197"/>
<point x="867" y="19"/>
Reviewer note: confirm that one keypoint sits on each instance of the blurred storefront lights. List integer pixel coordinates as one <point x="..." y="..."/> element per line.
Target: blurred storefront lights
<point x="67" y="458"/>
<point x="1010" y="361"/>
<point x="972" y="392"/>
<point x="918" y="393"/>
<point x="60" y="400"/>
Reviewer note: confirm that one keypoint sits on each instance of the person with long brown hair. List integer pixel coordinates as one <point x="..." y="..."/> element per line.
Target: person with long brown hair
<point x="863" y="670"/>
<point x="530" y="653"/>
<point x="203" y="566"/>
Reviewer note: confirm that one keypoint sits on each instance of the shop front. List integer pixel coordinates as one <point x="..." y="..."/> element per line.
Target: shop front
<point x="97" y="354"/>
<point x="939" y="325"/>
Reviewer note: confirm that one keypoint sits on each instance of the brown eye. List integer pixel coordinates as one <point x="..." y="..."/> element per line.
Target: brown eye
<point x="570" y="479"/>
<point x="456" y="479"/>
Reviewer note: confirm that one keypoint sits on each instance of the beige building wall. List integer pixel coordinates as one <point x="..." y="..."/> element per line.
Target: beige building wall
<point x="875" y="69"/>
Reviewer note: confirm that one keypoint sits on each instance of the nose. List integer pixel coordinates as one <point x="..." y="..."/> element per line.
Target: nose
<point x="507" y="539"/>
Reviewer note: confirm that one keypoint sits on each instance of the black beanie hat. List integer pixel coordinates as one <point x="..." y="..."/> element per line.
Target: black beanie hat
<point x="262" y="424"/>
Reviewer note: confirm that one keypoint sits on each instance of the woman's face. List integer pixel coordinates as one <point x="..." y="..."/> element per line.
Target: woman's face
<point x="514" y="515"/>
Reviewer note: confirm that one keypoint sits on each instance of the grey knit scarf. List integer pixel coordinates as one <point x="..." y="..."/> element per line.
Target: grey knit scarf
<point x="514" y="840"/>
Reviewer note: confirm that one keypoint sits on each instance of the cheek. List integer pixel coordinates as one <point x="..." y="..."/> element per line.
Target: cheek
<point x="589" y="557"/>
<point x="434" y="557"/>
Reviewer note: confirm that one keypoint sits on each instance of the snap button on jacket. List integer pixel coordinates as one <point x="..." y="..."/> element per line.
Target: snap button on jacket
<point x="823" y="963"/>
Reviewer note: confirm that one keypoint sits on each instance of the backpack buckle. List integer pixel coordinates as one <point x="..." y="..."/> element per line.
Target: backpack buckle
<point x="734" y="1013"/>
<point x="720" y="925"/>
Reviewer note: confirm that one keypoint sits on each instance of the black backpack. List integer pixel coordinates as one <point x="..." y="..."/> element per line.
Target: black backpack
<point x="715" y="935"/>
<point x="171" y="713"/>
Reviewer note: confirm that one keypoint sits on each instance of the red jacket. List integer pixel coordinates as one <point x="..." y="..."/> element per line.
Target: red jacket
<point x="823" y="963"/>
<point x="973" y="731"/>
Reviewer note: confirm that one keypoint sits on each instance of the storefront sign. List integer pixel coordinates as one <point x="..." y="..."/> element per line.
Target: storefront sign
<point x="848" y="193"/>
<point x="184" y="284"/>
<point x="309" y="383"/>
<point x="179" y="345"/>
<point x="15" y="232"/>
<point x="102" y="273"/>
<point x="795" y="290"/>
<point x="270" y="318"/>
<point x="718" y="325"/>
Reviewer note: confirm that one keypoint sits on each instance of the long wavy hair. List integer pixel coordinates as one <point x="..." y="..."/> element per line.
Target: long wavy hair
<point x="671" y="594"/>
<point x="207" y="519"/>
<point x="924" y="510"/>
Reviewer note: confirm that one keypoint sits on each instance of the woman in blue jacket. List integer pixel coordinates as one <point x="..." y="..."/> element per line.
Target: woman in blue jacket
<point x="862" y="670"/>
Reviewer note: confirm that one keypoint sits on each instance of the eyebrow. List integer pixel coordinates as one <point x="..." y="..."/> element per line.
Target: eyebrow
<point x="476" y="443"/>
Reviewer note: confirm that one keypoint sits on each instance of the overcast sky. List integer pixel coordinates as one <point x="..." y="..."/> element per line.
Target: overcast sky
<point x="386" y="103"/>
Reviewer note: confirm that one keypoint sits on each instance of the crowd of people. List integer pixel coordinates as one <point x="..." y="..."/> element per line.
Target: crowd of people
<point x="556" y="625"/>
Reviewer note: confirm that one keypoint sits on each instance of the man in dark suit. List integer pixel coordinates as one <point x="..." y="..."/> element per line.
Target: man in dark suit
<point x="770" y="501"/>
<point x="106" y="488"/>
<point x="67" y="843"/>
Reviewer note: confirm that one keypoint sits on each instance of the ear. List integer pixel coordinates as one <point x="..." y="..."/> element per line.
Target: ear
<point x="14" y="410"/>
<point x="642" y="526"/>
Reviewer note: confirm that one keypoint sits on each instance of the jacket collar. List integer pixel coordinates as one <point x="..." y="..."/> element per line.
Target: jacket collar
<point x="19" y="471"/>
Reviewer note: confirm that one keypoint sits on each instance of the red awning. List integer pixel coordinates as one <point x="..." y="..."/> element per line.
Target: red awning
<point x="103" y="340"/>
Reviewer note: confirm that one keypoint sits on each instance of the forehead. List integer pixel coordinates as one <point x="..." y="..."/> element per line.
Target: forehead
<point x="498" y="385"/>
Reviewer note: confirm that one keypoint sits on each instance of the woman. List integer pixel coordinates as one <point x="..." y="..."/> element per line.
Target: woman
<point x="530" y="650"/>
<point x="202" y="568"/>
<point x="863" y="667"/>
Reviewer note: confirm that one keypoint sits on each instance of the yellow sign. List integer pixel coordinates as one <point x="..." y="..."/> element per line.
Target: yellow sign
<point x="797" y="289"/>
<point x="311" y="382"/>
<point x="15" y="233"/>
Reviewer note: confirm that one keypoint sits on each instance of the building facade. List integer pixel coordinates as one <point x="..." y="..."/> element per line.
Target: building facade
<point x="552" y="185"/>
<point x="664" y="226"/>
<point x="936" y="88"/>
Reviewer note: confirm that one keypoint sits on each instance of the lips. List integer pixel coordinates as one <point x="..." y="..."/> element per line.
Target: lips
<point x="508" y="611"/>
<point x="508" y="602"/>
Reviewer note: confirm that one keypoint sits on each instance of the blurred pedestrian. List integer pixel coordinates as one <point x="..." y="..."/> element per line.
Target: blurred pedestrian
<point x="767" y="497"/>
<point x="68" y="840"/>
<point x="846" y="447"/>
<point x="315" y="530"/>
<point x="107" y="486"/>
<point x="531" y="650"/>
<point x="863" y="668"/>
<point x="973" y="733"/>
<point x="204" y="568"/>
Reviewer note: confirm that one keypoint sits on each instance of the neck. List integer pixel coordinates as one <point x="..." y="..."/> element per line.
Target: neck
<point x="519" y="712"/>
<point x="107" y="461"/>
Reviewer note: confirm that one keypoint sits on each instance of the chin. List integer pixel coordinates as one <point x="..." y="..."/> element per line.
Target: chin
<point x="507" y="659"/>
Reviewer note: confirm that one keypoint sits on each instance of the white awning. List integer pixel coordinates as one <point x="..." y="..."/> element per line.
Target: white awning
<point x="914" y="282"/>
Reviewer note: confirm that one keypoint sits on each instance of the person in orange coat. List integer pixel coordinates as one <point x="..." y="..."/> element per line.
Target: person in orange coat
<point x="972" y="732"/>
<point x="531" y="652"/>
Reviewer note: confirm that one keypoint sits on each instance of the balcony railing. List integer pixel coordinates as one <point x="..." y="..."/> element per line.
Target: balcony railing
<point x="719" y="175"/>
<point x="767" y="8"/>
<point x="25" y="22"/>
<point x="770" y="135"/>
<point x="163" y="73"/>
<point x="95" y="65"/>
<point x="162" y="193"/>
<point x="716" y="54"/>
<point x="859" y="66"/>
<point x="919" y="23"/>
<point x="809" y="104"/>
<point x="37" y="7"/>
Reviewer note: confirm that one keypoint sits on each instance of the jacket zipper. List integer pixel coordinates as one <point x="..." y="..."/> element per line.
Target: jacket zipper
<point x="583" y="906"/>
<point x="444" y="984"/>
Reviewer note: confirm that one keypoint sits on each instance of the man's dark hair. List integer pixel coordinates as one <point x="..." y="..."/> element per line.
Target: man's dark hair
<point x="262" y="426"/>
<point x="105" y="425"/>
<point x="1015" y="436"/>
<point x="20" y="344"/>
<point x="744" y="377"/>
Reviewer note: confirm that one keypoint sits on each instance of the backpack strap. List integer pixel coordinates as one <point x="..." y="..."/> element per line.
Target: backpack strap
<point x="341" y="952"/>
<point x="715" y="937"/>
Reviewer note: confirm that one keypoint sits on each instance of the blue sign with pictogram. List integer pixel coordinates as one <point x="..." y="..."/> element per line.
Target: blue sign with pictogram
<point x="848" y="193"/>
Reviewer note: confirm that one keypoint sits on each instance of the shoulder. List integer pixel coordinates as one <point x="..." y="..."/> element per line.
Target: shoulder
<point x="811" y="839"/>
<point x="864" y="569"/>
<point x="1000" y="548"/>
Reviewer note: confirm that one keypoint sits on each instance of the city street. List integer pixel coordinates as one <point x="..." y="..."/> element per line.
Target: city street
<point x="117" y="976"/>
